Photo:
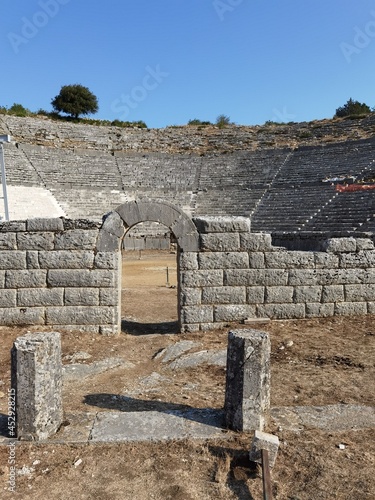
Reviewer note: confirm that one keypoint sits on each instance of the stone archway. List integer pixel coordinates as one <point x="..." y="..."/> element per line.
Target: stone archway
<point x="127" y="215"/>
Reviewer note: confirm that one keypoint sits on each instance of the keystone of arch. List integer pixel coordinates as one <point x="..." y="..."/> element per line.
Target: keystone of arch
<point x="127" y="215"/>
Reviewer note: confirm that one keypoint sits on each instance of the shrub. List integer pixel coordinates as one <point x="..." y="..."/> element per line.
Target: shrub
<point x="352" y="108"/>
<point x="18" y="110"/>
<point x="197" y="122"/>
<point x="222" y="121"/>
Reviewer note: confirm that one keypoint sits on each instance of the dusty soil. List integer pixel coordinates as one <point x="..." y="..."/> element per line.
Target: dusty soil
<point x="328" y="361"/>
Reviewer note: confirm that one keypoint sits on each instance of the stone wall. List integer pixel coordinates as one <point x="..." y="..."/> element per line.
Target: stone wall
<point x="66" y="274"/>
<point x="237" y="275"/>
<point x="52" y="274"/>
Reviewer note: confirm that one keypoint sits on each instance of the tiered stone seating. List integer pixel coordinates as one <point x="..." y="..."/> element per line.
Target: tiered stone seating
<point x="302" y="191"/>
<point x="234" y="184"/>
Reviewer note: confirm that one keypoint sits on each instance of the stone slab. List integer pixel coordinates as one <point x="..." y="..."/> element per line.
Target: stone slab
<point x="79" y="370"/>
<point x="329" y="418"/>
<point x="156" y="426"/>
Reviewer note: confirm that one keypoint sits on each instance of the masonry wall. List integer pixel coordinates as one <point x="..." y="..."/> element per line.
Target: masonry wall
<point x="238" y="275"/>
<point x="52" y="273"/>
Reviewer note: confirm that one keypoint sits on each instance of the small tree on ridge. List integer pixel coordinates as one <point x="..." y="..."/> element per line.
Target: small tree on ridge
<point x="352" y="108"/>
<point x="75" y="100"/>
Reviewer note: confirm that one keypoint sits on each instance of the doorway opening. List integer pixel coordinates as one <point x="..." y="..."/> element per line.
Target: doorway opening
<point x="149" y="283"/>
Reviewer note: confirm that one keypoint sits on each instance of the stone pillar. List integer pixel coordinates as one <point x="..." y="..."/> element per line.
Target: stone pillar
<point x="247" y="393"/>
<point x="37" y="381"/>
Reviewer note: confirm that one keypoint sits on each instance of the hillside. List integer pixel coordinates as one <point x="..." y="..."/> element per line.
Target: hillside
<point x="43" y="131"/>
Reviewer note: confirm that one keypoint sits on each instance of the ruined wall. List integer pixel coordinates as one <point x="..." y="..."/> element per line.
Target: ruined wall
<point x="237" y="275"/>
<point x="52" y="274"/>
<point x="66" y="274"/>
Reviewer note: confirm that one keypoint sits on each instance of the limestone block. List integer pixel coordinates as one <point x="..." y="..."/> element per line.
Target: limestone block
<point x="223" y="260"/>
<point x="206" y="327"/>
<point x="108" y="242"/>
<point x="188" y="260"/>
<point x="256" y="242"/>
<point x="364" y="276"/>
<point x="220" y="242"/>
<point x="82" y="278"/>
<point x="364" y="244"/>
<point x="66" y="259"/>
<point x="54" y="225"/>
<point x="362" y="259"/>
<point x="307" y="293"/>
<point x="264" y="441"/>
<point x="37" y="382"/>
<point x="360" y="293"/>
<point x="222" y="224"/>
<point x="197" y="314"/>
<point x="351" y="308"/>
<point x="22" y="316"/>
<point x="8" y="241"/>
<point x="32" y="260"/>
<point x="129" y="213"/>
<point x="256" y="260"/>
<point x="161" y="212"/>
<point x="79" y="315"/>
<point x="189" y="242"/>
<point x="281" y="311"/>
<point x="247" y="393"/>
<point x="289" y="260"/>
<point x="255" y="294"/>
<point x="35" y="241"/>
<point x="109" y="296"/>
<point x="333" y="293"/>
<point x="371" y="307"/>
<point x="107" y="260"/>
<point x="279" y="294"/>
<point x="12" y="227"/>
<point x="315" y="310"/>
<point x="224" y="295"/>
<point x="183" y="226"/>
<point x="33" y="278"/>
<point x="8" y="298"/>
<point x="34" y="297"/>
<point x="190" y="296"/>
<point x="2" y="279"/>
<point x="326" y="260"/>
<point x="202" y="278"/>
<point x="81" y="297"/>
<point x="113" y="224"/>
<point x="12" y="259"/>
<point x="308" y="277"/>
<point x="190" y="328"/>
<point x="338" y="245"/>
<point x="76" y="239"/>
<point x="108" y="330"/>
<point x="249" y="277"/>
<point x="234" y="312"/>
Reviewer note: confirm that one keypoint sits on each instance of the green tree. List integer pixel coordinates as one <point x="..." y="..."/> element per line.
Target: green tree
<point x="352" y="108"/>
<point x="75" y="100"/>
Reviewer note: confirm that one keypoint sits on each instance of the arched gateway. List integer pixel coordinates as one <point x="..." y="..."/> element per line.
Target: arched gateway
<point x="125" y="216"/>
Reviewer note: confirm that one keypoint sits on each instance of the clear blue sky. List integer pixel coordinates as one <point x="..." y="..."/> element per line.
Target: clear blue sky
<point x="168" y="61"/>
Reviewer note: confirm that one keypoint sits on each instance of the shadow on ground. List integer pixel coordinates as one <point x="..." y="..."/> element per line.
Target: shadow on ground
<point x="134" y="328"/>
<point x="239" y="469"/>
<point x="208" y="416"/>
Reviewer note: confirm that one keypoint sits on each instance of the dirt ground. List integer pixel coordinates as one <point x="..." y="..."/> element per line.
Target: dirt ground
<point x="313" y="362"/>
